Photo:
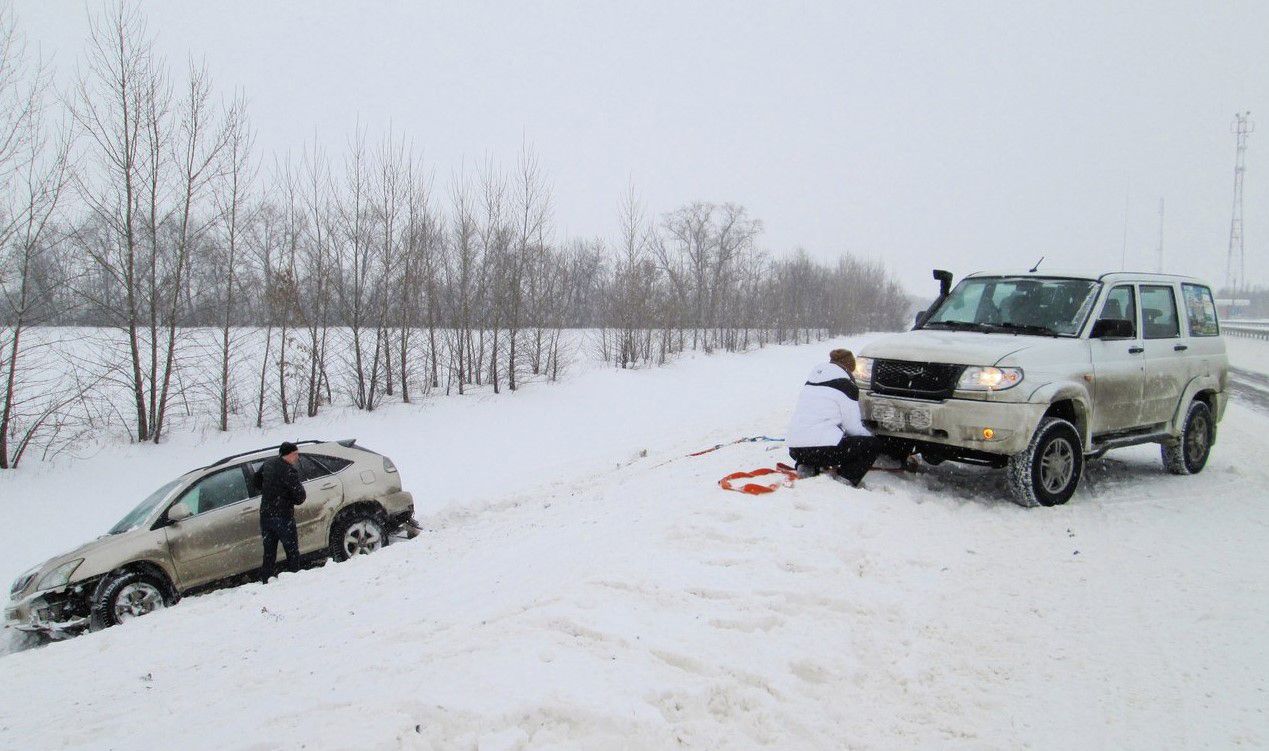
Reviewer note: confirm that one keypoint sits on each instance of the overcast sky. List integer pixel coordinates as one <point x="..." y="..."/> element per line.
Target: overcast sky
<point x="957" y="135"/>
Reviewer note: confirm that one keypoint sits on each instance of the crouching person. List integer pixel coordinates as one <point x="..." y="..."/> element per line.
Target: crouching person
<point x="827" y="430"/>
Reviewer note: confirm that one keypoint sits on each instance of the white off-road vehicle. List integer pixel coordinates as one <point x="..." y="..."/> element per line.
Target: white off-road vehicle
<point x="1038" y="371"/>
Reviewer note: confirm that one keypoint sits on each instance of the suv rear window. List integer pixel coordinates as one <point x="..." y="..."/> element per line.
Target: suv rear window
<point x="1200" y="309"/>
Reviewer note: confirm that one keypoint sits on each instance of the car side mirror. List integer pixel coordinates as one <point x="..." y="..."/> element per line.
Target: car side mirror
<point x="920" y="318"/>
<point x="1113" y="328"/>
<point x="178" y="512"/>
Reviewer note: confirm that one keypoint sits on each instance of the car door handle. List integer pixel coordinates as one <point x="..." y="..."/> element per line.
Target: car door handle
<point x="1180" y="348"/>
<point x="328" y="485"/>
<point x="248" y="511"/>
<point x="1136" y="350"/>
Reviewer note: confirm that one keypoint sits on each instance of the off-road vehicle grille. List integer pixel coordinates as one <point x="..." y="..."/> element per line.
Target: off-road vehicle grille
<point x="922" y="380"/>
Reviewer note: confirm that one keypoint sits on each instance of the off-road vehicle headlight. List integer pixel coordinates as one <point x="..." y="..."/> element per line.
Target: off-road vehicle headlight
<point x="863" y="369"/>
<point x="989" y="378"/>
<point x="60" y="576"/>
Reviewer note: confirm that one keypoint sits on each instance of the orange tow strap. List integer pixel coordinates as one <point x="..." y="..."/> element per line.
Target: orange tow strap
<point x="753" y="488"/>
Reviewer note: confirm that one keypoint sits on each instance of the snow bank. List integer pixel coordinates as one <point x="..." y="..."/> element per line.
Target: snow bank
<point x="571" y="593"/>
<point x="1248" y="354"/>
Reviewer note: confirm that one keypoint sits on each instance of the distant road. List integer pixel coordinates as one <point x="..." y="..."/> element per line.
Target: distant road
<point x="1250" y="388"/>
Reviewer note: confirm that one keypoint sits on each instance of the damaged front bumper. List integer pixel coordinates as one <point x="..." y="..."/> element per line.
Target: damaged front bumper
<point x="55" y="613"/>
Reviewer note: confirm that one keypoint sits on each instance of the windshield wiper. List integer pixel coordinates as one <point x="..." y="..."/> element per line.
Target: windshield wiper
<point x="1029" y="328"/>
<point x="965" y="325"/>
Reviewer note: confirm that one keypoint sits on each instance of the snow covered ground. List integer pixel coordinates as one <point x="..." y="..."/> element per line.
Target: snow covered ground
<point x="572" y="592"/>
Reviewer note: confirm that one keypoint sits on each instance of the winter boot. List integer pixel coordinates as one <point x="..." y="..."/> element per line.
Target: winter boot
<point x="805" y="470"/>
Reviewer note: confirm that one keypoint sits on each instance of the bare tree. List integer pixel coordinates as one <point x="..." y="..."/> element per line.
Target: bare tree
<point x="110" y="106"/>
<point x="532" y="217"/>
<point x="233" y="206"/>
<point x="34" y="174"/>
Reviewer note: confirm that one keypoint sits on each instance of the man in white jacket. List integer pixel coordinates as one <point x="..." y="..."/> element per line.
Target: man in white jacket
<point x="827" y="430"/>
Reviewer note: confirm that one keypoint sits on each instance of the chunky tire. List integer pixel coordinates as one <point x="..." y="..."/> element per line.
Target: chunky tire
<point x="1047" y="472"/>
<point x="125" y="596"/>
<point x="357" y="531"/>
<point x="1189" y="455"/>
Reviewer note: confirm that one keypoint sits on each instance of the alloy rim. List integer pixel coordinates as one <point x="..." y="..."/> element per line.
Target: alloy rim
<point x="363" y="537"/>
<point x="1057" y="464"/>
<point x="1196" y="439"/>
<point x="137" y="599"/>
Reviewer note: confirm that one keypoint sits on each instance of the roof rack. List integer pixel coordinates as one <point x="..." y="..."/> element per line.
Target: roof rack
<point x="230" y="458"/>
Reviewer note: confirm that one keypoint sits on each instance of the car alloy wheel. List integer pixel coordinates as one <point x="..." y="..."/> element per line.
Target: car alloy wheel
<point x="363" y="536"/>
<point x="1056" y="465"/>
<point x="1197" y="439"/>
<point x="137" y="599"/>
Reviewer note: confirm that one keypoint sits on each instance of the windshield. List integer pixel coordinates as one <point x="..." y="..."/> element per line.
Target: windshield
<point x="139" y="514"/>
<point x="1052" y="307"/>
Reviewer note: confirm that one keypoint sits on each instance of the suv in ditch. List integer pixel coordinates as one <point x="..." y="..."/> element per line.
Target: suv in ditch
<point x="203" y="529"/>
<point x="1037" y="372"/>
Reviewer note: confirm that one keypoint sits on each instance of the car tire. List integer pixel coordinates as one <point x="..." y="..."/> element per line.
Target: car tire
<point x="1189" y="454"/>
<point x="1047" y="472"/>
<point x="358" y="531"/>
<point x="122" y="597"/>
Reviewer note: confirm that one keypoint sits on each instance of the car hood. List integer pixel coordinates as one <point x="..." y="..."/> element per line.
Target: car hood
<point x="96" y="554"/>
<point x="956" y="347"/>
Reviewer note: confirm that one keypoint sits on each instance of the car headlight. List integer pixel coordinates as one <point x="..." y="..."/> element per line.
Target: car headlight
<point x="60" y="576"/>
<point x="863" y="369"/>
<point x="388" y="466"/>
<point x="988" y="378"/>
<point x="23" y="581"/>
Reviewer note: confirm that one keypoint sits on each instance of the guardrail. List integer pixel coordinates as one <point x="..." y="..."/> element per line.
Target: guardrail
<point x="1246" y="329"/>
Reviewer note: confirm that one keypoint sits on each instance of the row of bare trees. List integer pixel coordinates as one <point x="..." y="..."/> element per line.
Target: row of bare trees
<point x="137" y="204"/>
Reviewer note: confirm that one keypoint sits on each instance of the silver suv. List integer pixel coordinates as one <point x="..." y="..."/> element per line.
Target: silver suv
<point x="1036" y="372"/>
<point x="202" y="529"/>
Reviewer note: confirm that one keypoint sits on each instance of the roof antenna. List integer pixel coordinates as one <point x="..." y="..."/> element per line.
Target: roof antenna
<point x="1036" y="266"/>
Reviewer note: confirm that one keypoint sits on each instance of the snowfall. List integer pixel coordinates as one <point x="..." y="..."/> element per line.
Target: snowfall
<point x="583" y="583"/>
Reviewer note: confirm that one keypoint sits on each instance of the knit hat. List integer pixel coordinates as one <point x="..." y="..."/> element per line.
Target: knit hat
<point x="843" y="358"/>
<point x="287" y="448"/>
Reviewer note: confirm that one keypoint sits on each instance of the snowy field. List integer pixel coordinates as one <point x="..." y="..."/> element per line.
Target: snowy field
<point x="573" y="592"/>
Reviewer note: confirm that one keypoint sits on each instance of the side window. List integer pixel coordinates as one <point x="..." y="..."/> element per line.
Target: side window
<point x="252" y="468"/>
<point x="331" y="463"/>
<point x="310" y="468"/>
<point x="1158" y="311"/>
<point x="214" y="491"/>
<point x="1200" y="310"/>
<point x="1121" y="305"/>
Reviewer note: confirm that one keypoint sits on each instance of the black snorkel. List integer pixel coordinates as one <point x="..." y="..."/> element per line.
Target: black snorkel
<point x="945" y="287"/>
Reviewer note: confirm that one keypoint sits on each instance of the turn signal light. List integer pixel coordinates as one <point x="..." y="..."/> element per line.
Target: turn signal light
<point x="988" y="433"/>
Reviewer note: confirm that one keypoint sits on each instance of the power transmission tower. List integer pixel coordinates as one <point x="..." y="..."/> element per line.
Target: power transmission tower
<point x="1159" y="262"/>
<point x="1235" y="263"/>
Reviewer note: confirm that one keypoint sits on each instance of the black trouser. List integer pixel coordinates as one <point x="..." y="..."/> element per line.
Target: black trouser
<point x="852" y="457"/>
<point x="274" y="530"/>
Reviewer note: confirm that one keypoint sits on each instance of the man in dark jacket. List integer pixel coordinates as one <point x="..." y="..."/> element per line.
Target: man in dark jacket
<point x="280" y="492"/>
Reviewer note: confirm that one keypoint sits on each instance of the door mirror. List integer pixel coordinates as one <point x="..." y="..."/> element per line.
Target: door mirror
<point x="1114" y="328"/>
<point x="178" y="512"/>
<point x="920" y="318"/>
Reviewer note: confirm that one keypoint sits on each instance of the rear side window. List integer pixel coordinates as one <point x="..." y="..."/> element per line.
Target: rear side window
<point x="310" y="468"/>
<point x="331" y="463"/>
<point x="1158" y="312"/>
<point x="1200" y="310"/>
